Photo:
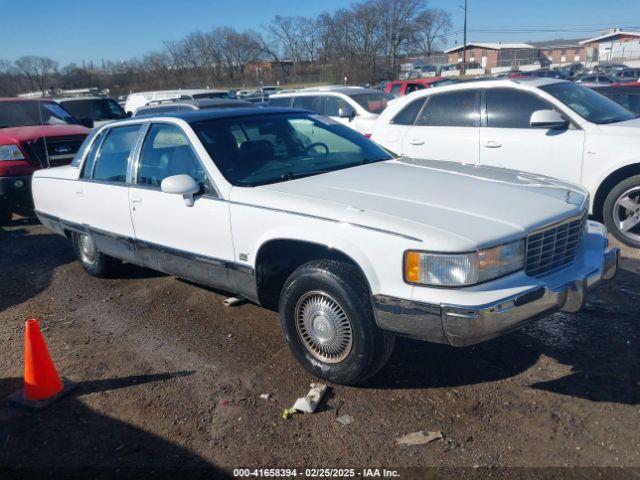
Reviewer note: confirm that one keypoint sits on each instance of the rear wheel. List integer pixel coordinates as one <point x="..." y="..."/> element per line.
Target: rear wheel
<point x="327" y="320"/>
<point x="621" y="211"/>
<point x="93" y="261"/>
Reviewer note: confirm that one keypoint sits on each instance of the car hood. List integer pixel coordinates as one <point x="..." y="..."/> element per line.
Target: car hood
<point x="628" y="128"/>
<point x="450" y="206"/>
<point x="32" y="132"/>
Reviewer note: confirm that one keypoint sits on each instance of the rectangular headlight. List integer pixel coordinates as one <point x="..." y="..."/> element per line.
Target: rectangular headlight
<point x="463" y="269"/>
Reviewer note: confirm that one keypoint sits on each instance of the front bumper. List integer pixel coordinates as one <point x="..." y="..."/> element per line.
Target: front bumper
<point x="467" y="325"/>
<point x="16" y="190"/>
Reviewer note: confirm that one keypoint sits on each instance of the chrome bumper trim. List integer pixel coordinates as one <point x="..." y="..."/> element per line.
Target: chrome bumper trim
<point x="467" y="325"/>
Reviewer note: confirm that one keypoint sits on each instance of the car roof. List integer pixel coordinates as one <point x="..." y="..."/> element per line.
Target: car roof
<point x="192" y="116"/>
<point x="199" y="103"/>
<point x="22" y="99"/>
<point x="81" y="97"/>
<point x="344" y="89"/>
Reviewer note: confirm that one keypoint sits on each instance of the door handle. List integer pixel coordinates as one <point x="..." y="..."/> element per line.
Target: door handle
<point x="492" y="144"/>
<point x="135" y="201"/>
<point x="416" y="141"/>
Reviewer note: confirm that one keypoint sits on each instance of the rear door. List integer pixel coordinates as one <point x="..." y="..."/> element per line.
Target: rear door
<point x="308" y="102"/>
<point x="509" y="141"/>
<point x="103" y="191"/>
<point x="447" y="128"/>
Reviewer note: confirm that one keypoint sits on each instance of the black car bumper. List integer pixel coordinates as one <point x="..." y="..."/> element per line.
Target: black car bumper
<point x="16" y="191"/>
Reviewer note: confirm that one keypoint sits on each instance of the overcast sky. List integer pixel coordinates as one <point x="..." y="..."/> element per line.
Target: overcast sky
<point x="77" y="30"/>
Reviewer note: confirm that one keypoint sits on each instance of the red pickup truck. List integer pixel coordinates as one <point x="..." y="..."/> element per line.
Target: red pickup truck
<point x="34" y="134"/>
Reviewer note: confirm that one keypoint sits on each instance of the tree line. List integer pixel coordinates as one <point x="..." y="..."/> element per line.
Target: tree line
<point x="364" y="42"/>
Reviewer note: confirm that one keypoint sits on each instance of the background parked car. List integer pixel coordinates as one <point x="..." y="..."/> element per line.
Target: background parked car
<point x="597" y="80"/>
<point x="356" y="107"/>
<point x="546" y="126"/>
<point x="99" y="110"/>
<point x="139" y="99"/>
<point x="202" y="104"/>
<point x="397" y="88"/>
<point x="629" y="74"/>
<point x="626" y="94"/>
<point x="34" y="134"/>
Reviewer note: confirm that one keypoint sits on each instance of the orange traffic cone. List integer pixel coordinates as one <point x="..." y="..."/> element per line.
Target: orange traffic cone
<point x="42" y="385"/>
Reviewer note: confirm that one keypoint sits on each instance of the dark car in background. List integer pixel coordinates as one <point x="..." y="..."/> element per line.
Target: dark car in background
<point x="161" y="108"/>
<point x="99" y="110"/>
<point x="34" y="134"/>
<point x="626" y="94"/>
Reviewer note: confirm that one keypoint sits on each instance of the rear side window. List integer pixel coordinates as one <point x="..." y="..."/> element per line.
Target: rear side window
<point x="510" y="108"/>
<point x="332" y="106"/>
<point x="308" y="103"/>
<point x="395" y="89"/>
<point x="280" y="102"/>
<point x="87" y="168"/>
<point x="112" y="161"/>
<point x="408" y="115"/>
<point x="454" y="109"/>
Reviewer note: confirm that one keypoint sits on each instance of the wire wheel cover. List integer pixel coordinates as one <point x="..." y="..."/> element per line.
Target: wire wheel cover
<point x="324" y="327"/>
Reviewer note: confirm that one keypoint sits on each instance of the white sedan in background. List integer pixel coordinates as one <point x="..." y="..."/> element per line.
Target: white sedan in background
<point x="539" y="125"/>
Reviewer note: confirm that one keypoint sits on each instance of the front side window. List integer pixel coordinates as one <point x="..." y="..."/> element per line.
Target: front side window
<point x="332" y="105"/>
<point x="263" y="149"/>
<point x="511" y="108"/>
<point x="453" y="109"/>
<point x="313" y="103"/>
<point x="412" y="87"/>
<point x="407" y="116"/>
<point x="166" y="152"/>
<point x="112" y="161"/>
<point x="592" y="106"/>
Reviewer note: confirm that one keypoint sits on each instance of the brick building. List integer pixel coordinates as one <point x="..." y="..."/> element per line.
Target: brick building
<point x="490" y="55"/>
<point x="561" y="52"/>
<point x="613" y="46"/>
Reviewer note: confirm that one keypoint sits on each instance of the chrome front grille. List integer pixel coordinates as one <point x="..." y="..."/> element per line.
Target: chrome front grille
<point x="554" y="247"/>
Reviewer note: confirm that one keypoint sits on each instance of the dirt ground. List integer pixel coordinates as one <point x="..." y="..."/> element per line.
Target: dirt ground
<point x="169" y="379"/>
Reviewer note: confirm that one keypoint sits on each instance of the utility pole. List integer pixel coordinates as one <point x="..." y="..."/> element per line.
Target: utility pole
<point x="464" y="41"/>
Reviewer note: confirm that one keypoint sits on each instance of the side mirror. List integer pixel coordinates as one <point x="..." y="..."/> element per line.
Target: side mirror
<point x="181" y="185"/>
<point x="346" y="112"/>
<point x="549" y="119"/>
<point x="86" y="122"/>
<point x="128" y="114"/>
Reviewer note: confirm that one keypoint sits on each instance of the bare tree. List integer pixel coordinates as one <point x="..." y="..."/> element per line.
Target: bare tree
<point x="37" y="70"/>
<point x="432" y="26"/>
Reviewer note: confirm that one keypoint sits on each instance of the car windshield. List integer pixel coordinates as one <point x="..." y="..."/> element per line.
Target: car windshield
<point x="272" y="148"/>
<point x="94" y="108"/>
<point x="372" y="102"/>
<point x="20" y="114"/>
<point x="590" y="105"/>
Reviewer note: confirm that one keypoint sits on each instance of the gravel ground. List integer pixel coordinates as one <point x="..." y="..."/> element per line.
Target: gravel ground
<point x="168" y="378"/>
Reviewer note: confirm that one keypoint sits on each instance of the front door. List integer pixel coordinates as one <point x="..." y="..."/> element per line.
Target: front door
<point x="193" y="242"/>
<point x="508" y="140"/>
<point x="447" y="128"/>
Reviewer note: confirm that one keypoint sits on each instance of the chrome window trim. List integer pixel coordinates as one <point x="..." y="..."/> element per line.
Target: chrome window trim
<point x="133" y="180"/>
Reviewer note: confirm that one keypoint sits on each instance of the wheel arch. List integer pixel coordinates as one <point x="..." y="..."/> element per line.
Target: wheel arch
<point x="277" y="258"/>
<point x="609" y="182"/>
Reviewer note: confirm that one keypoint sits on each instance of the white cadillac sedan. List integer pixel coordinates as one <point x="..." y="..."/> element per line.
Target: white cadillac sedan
<point x="352" y="245"/>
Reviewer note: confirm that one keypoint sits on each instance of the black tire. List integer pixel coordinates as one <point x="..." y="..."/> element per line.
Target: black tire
<point x="95" y="263"/>
<point x="6" y="213"/>
<point x="342" y="284"/>
<point x="612" y="212"/>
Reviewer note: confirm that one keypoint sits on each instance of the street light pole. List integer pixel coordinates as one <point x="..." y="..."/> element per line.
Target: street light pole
<point x="464" y="41"/>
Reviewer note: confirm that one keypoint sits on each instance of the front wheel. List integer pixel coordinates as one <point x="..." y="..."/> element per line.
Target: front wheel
<point x="621" y="211"/>
<point x="96" y="263"/>
<point x="327" y="320"/>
